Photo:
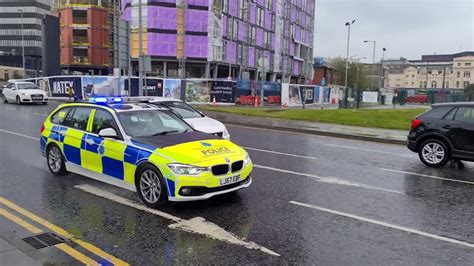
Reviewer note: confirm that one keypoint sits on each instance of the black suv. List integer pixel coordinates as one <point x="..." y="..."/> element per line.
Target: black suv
<point x="442" y="133"/>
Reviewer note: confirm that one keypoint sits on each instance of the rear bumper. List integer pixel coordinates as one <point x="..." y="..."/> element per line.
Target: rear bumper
<point x="246" y="183"/>
<point x="412" y="146"/>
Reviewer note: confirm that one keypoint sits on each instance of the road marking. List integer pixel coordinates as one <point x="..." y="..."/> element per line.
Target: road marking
<point x="369" y="150"/>
<point x="196" y="225"/>
<point x="35" y="230"/>
<point x="97" y="251"/>
<point x="430" y="176"/>
<point x="18" y="134"/>
<point x="393" y="226"/>
<point x="281" y="153"/>
<point x="329" y="180"/>
<point x="11" y="109"/>
<point x="40" y="114"/>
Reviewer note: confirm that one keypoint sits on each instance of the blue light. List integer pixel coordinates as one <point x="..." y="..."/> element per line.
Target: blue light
<point x="118" y="100"/>
<point x="99" y="100"/>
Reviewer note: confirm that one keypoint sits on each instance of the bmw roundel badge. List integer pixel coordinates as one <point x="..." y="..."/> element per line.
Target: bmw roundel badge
<point x="227" y="160"/>
<point x="205" y="144"/>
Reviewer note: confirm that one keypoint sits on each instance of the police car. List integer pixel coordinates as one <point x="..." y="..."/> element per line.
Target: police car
<point x="143" y="148"/>
<point x="193" y="117"/>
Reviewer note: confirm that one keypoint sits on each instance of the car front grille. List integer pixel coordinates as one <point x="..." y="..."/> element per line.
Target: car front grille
<point x="220" y="169"/>
<point x="237" y="166"/>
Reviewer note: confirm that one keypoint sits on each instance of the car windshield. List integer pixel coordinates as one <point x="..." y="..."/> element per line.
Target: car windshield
<point x="183" y="109"/>
<point x="27" y="86"/>
<point x="152" y="123"/>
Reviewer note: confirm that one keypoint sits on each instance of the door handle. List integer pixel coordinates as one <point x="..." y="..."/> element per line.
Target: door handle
<point x="90" y="141"/>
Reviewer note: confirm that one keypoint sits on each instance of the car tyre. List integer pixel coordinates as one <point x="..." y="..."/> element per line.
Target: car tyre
<point x="55" y="160"/>
<point x="45" y="103"/>
<point x="4" y="99"/>
<point x="434" y="153"/>
<point x="18" y="100"/>
<point x="151" y="186"/>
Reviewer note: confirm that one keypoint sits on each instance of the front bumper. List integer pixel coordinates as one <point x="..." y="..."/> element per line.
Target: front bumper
<point x="29" y="99"/>
<point x="214" y="191"/>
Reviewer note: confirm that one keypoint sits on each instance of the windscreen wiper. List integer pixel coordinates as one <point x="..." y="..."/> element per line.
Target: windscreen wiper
<point x="165" y="132"/>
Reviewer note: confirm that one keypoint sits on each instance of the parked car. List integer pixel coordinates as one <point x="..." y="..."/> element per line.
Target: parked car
<point x="193" y="117"/>
<point x="417" y="99"/>
<point x="442" y="133"/>
<point x="23" y="92"/>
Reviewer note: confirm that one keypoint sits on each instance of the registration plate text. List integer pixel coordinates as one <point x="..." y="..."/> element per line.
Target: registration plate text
<point x="229" y="180"/>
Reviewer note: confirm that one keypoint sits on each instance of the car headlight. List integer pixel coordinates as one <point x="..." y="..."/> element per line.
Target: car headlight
<point x="247" y="159"/>
<point x="225" y="134"/>
<point x="184" y="169"/>
<point x="24" y="94"/>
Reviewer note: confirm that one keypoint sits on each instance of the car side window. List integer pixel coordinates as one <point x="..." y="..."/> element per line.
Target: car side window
<point x="60" y="116"/>
<point x="78" y="118"/>
<point x="451" y="114"/>
<point x="465" y="114"/>
<point x="102" y="120"/>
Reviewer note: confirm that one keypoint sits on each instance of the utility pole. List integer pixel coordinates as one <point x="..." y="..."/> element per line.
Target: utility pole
<point x="348" y="24"/>
<point x="140" y="50"/>
<point x="23" y="44"/>
<point x="181" y="34"/>
<point x="373" y="64"/>
<point x="382" y="70"/>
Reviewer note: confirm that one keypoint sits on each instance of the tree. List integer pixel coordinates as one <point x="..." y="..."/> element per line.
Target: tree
<point x="469" y="91"/>
<point x="355" y="69"/>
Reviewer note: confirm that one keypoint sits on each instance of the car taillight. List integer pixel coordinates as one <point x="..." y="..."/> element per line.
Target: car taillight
<point x="415" y="123"/>
<point x="42" y="128"/>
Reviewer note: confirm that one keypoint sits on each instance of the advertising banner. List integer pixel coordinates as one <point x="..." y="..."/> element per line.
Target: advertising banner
<point x="151" y="87"/>
<point x="285" y="94"/>
<point x="43" y="83"/>
<point x="294" y="96"/>
<point x="98" y="85"/>
<point x="370" y="97"/>
<point x="172" y="88"/>
<point x="198" y="91"/>
<point x="59" y="85"/>
<point x="223" y="91"/>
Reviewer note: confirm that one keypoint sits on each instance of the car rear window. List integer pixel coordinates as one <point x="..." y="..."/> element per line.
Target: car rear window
<point x="436" y="112"/>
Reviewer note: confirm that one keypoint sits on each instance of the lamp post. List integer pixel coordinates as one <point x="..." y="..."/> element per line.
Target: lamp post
<point x="354" y="58"/>
<point x="348" y="24"/>
<point x="22" y="44"/>
<point x="140" y="50"/>
<point x="373" y="62"/>
<point x="382" y="70"/>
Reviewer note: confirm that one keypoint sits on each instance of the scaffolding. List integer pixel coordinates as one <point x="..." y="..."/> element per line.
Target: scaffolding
<point x="180" y="37"/>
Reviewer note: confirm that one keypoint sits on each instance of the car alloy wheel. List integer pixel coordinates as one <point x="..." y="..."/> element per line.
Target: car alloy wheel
<point x="55" y="160"/>
<point x="4" y="99"/>
<point x="434" y="153"/>
<point x="18" y="101"/>
<point x="150" y="186"/>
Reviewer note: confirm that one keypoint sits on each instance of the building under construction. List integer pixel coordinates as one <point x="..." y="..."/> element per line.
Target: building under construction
<point x="223" y="38"/>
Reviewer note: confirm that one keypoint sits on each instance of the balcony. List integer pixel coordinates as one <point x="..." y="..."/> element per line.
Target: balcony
<point x="80" y="60"/>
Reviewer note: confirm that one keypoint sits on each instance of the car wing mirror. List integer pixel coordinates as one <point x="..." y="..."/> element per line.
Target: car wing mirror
<point x="108" y="133"/>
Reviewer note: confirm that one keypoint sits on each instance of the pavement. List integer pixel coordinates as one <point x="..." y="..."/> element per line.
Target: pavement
<point x="315" y="128"/>
<point x="314" y="200"/>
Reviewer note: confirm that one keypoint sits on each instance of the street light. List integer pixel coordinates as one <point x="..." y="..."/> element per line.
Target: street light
<point x="348" y="24"/>
<point x="355" y="58"/>
<point x="382" y="70"/>
<point x="373" y="62"/>
<point x="22" y="44"/>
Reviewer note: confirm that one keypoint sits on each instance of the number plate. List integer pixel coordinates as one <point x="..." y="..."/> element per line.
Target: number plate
<point x="37" y="97"/>
<point x="229" y="180"/>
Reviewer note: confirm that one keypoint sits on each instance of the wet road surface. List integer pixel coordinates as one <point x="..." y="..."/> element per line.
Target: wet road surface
<point x="314" y="200"/>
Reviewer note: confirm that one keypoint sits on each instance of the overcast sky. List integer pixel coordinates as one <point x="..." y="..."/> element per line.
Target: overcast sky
<point x="407" y="28"/>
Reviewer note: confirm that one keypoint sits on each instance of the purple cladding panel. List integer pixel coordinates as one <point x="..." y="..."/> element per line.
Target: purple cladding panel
<point x="299" y="3"/>
<point x="293" y="15"/>
<point x="274" y="5"/>
<point x="260" y="37"/>
<point x="233" y="8"/>
<point x="251" y="56"/>
<point x="161" y="1"/>
<point x="292" y="48"/>
<point x="268" y="20"/>
<point x="231" y="52"/>
<point x="127" y="14"/>
<point x="197" y="2"/>
<point x="195" y="46"/>
<point x="298" y="33"/>
<point x="296" y="68"/>
<point x="125" y="2"/>
<point x="307" y="37"/>
<point x="302" y="19"/>
<point x="253" y="13"/>
<point x="260" y="2"/>
<point x="161" y="44"/>
<point x="196" y="20"/>
<point x="272" y="45"/>
<point x="242" y="31"/>
<point x="161" y="17"/>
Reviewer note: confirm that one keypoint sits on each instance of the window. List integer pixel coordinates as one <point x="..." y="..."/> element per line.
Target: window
<point x="465" y="114"/>
<point x="458" y="74"/>
<point x="60" y="115"/>
<point x="225" y="6"/>
<point x="102" y="120"/>
<point x="152" y="123"/>
<point x="268" y="4"/>
<point x="457" y="84"/>
<point x="446" y="85"/>
<point x="467" y="74"/>
<point x="434" y="84"/>
<point x="466" y="83"/>
<point x="6" y="76"/>
<point x="230" y="27"/>
<point x="236" y="29"/>
<point x="450" y="115"/>
<point x="260" y="17"/>
<point x="437" y="112"/>
<point x="78" y="118"/>
<point x="467" y="64"/>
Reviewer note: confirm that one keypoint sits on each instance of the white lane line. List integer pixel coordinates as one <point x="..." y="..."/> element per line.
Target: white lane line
<point x="393" y="226"/>
<point x="18" y="134"/>
<point x="329" y="180"/>
<point x="430" y="176"/>
<point x="369" y="150"/>
<point x="40" y="114"/>
<point x="281" y="153"/>
<point x="197" y="225"/>
<point x="11" y="109"/>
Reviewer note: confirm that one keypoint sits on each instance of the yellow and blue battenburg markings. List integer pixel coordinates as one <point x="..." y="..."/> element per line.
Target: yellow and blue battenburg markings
<point x="109" y="157"/>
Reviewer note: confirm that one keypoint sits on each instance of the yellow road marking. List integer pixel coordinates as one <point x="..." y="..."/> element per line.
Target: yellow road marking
<point x="97" y="251"/>
<point x="35" y="230"/>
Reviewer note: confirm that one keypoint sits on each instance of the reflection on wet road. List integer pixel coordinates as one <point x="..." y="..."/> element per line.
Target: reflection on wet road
<point x="314" y="200"/>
